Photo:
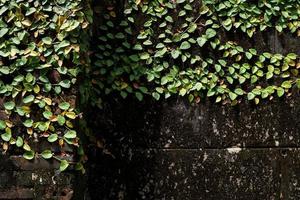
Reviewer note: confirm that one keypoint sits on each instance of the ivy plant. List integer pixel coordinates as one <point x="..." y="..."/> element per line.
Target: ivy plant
<point x="41" y="54"/>
<point x="185" y="47"/>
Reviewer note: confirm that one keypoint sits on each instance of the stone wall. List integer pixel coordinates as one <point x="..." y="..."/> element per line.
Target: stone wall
<point x="38" y="179"/>
<point x="176" y="151"/>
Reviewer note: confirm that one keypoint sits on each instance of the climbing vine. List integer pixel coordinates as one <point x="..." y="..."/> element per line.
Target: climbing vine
<point x="200" y="49"/>
<point x="196" y="49"/>
<point x="40" y="58"/>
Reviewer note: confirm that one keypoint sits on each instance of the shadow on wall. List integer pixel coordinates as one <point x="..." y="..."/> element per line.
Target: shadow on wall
<point x="176" y="151"/>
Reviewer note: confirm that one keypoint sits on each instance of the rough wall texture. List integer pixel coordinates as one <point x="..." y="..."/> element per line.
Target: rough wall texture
<point x="175" y="151"/>
<point x="38" y="179"/>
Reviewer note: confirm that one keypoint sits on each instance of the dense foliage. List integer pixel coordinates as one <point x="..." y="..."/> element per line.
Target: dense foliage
<point x="40" y="58"/>
<point x="196" y="49"/>
<point x="159" y="48"/>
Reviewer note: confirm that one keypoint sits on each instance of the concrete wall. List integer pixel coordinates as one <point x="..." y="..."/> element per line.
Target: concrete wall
<point x="176" y="151"/>
<point x="38" y="179"/>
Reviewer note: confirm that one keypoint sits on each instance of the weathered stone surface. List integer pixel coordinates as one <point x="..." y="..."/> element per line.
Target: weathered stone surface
<point x="214" y="126"/>
<point x="37" y="179"/>
<point x="283" y="43"/>
<point x="201" y="174"/>
<point x="17" y="193"/>
<point x="177" y="124"/>
<point x="42" y="177"/>
<point x="4" y="180"/>
<point x="174" y="150"/>
<point x="23" y="164"/>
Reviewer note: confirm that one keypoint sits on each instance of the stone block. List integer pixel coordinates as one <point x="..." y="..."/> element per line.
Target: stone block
<point x="16" y="193"/>
<point x="195" y="174"/>
<point x="177" y="124"/>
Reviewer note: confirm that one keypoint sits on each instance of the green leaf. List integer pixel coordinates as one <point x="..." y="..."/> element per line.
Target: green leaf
<point x="43" y="126"/>
<point x="292" y="56"/>
<point x="47" y="154"/>
<point x="26" y="147"/>
<point x="264" y="94"/>
<point x="227" y="22"/>
<point x="161" y="52"/>
<point x="30" y="11"/>
<point x="185" y="45"/>
<point x="52" y="138"/>
<point x="63" y="165"/>
<point x="232" y="96"/>
<point x="156" y="95"/>
<point x="64" y="105"/>
<point x="147" y="42"/>
<point x="159" y="90"/>
<point x="19" y="141"/>
<point x="47" y="40"/>
<point x="229" y="79"/>
<point x="242" y="79"/>
<point x="71" y="115"/>
<point x="47" y="114"/>
<point x="175" y="53"/>
<point x="62" y="44"/>
<point x="169" y="19"/>
<point x="210" y="33"/>
<point x="71" y="134"/>
<point x="160" y="46"/>
<point x="250" y="96"/>
<point x="61" y="120"/>
<point x="144" y="56"/>
<point x="3" y="31"/>
<point x="6" y="136"/>
<point x="285" y="67"/>
<point x="65" y="83"/>
<point x="248" y="55"/>
<point x="3" y="9"/>
<point x="4" y="70"/>
<point x="218" y="68"/>
<point x="279" y="28"/>
<point x="28" y="99"/>
<point x="2" y="125"/>
<point x="192" y="27"/>
<point x="164" y="80"/>
<point x="139" y="96"/>
<point x="210" y="93"/>
<point x="28" y="123"/>
<point x="182" y="92"/>
<point x="9" y="105"/>
<point x="201" y="41"/>
<point x="239" y="91"/>
<point x="253" y="79"/>
<point x="222" y="62"/>
<point x="280" y="92"/>
<point x="286" y="84"/>
<point x="253" y="51"/>
<point x="180" y="1"/>
<point x="28" y="155"/>
<point x="218" y="99"/>
<point x="231" y="70"/>
<point x="143" y="89"/>
<point x="269" y="75"/>
<point x="256" y="100"/>
<point x="26" y="22"/>
<point x="298" y="83"/>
